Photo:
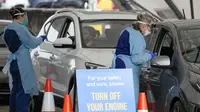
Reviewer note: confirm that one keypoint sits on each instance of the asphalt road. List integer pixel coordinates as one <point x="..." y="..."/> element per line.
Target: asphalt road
<point x="4" y="105"/>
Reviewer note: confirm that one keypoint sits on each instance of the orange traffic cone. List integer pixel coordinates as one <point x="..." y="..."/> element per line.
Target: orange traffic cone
<point x="150" y="99"/>
<point x="67" y="105"/>
<point x="142" y="103"/>
<point x="48" y="104"/>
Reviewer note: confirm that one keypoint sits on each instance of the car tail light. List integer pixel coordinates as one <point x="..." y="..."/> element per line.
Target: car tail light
<point x="4" y="1"/>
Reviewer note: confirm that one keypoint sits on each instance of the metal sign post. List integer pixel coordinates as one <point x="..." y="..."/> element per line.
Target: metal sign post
<point x="75" y="92"/>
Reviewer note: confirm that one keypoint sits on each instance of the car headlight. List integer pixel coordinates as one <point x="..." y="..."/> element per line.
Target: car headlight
<point x="194" y="79"/>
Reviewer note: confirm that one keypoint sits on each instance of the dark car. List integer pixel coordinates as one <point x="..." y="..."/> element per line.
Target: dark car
<point x="58" y="3"/>
<point x="4" y="88"/>
<point x="175" y="74"/>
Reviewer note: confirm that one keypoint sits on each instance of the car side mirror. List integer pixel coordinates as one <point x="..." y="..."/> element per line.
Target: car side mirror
<point x="63" y="43"/>
<point x="161" y="62"/>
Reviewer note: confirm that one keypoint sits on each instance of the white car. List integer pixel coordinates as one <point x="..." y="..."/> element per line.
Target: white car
<point x="13" y="3"/>
<point x="77" y="39"/>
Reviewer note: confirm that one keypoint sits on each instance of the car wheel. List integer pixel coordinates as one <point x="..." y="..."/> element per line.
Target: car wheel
<point x="35" y="104"/>
<point x="178" y="107"/>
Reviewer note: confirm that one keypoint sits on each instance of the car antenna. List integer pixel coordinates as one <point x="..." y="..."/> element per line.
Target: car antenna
<point x="184" y="13"/>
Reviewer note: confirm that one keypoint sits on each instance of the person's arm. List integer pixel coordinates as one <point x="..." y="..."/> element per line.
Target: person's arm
<point x="28" y="39"/>
<point x="139" y="55"/>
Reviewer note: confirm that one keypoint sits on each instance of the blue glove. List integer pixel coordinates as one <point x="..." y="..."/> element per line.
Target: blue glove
<point x="153" y="55"/>
<point x="43" y="37"/>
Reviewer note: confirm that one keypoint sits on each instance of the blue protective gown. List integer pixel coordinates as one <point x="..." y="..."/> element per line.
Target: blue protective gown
<point x="131" y="53"/>
<point x="19" y="41"/>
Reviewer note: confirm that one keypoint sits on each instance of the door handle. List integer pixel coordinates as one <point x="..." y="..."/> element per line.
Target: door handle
<point x="36" y="54"/>
<point x="52" y="57"/>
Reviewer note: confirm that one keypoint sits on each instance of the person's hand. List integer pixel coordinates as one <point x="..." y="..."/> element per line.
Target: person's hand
<point x="43" y="37"/>
<point x="153" y="55"/>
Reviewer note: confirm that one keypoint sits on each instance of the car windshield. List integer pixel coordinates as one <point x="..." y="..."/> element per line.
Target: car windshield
<point x="102" y="33"/>
<point x="190" y="44"/>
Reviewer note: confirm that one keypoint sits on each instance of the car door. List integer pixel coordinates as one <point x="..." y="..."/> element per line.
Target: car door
<point x="62" y="62"/>
<point x="43" y="55"/>
<point x="150" y="45"/>
<point x="162" y="79"/>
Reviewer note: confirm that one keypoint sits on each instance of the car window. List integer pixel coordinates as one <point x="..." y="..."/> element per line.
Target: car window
<point x="166" y="48"/>
<point x="151" y="39"/>
<point x="102" y="33"/>
<point x="189" y="40"/>
<point x="55" y="29"/>
<point x="69" y="31"/>
<point x="167" y="40"/>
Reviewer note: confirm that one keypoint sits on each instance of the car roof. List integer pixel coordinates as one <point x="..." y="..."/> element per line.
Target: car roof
<point x="185" y="23"/>
<point x="92" y="15"/>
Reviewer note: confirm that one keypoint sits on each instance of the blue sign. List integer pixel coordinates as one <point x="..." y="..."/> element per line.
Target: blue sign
<point x="105" y="90"/>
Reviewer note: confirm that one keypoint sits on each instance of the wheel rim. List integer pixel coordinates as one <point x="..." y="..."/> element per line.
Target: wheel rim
<point x="31" y="105"/>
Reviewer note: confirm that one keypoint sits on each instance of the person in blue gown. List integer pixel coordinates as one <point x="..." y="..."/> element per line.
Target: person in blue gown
<point x="19" y="42"/>
<point x="131" y="49"/>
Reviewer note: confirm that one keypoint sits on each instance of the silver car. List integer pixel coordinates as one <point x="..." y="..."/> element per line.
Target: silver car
<point x="4" y="88"/>
<point x="77" y="39"/>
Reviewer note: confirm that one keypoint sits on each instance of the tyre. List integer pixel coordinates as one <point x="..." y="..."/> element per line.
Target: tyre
<point x="177" y="107"/>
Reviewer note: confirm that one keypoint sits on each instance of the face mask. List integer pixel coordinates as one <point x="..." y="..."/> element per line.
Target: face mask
<point x="147" y="33"/>
<point x="23" y="22"/>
